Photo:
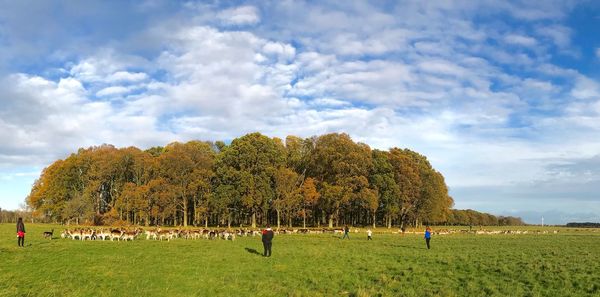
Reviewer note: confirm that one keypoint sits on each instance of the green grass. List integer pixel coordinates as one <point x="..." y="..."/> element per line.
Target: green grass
<point x="564" y="264"/>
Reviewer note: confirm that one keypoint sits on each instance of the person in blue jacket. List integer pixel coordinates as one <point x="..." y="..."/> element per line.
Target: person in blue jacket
<point x="427" y="236"/>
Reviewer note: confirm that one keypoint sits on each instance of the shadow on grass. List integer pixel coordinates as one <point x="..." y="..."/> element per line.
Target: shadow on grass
<point x="411" y="247"/>
<point x="253" y="251"/>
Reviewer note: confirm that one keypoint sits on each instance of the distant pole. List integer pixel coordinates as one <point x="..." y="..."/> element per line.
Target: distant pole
<point x="542" y="221"/>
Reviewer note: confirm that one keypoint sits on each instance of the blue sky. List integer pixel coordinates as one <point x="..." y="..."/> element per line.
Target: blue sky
<point x="502" y="96"/>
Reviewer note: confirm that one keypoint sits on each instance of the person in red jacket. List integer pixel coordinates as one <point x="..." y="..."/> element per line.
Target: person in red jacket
<point x="267" y="238"/>
<point x="20" y="232"/>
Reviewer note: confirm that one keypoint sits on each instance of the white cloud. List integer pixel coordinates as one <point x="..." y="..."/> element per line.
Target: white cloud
<point x="520" y="40"/>
<point x="125" y="76"/>
<point x="541" y="85"/>
<point x="586" y="88"/>
<point x="560" y="35"/>
<point x="283" y="51"/>
<point x="243" y="15"/>
<point x="61" y="119"/>
<point x="441" y="67"/>
<point x="113" y="91"/>
<point x="329" y="102"/>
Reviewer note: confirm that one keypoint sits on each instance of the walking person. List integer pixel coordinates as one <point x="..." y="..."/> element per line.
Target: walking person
<point x="20" y="233"/>
<point x="346" y="232"/>
<point x="427" y="236"/>
<point x="267" y="239"/>
<point x="369" y="234"/>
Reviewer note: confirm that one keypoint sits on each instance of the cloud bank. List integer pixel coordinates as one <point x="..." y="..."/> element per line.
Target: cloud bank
<point x="482" y="88"/>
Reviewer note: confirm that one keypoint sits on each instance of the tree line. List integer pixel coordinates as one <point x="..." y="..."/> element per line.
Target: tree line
<point x="584" y="225"/>
<point x="474" y="218"/>
<point x="318" y="181"/>
<point x="11" y="216"/>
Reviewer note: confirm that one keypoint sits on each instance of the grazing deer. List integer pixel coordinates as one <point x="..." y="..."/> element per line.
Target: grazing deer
<point x="88" y="234"/>
<point x="164" y="234"/>
<point x="130" y="235"/>
<point x="103" y="234"/>
<point x="115" y="233"/>
<point x="212" y="235"/>
<point x="48" y="234"/>
<point x="74" y="234"/>
<point x="151" y="234"/>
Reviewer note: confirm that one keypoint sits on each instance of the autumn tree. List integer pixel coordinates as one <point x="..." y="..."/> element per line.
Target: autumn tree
<point x="342" y="166"/>
<point x="187" y="166"/>
<point x="310" y="197"/>
<point x="408" y="179"/>
<point x="323" y="179"/>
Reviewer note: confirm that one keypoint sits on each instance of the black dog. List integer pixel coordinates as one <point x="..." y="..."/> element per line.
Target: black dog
<point x="48" y="234"/>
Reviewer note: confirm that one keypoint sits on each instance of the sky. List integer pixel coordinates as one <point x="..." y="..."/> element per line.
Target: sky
<point x="503" y="97"/>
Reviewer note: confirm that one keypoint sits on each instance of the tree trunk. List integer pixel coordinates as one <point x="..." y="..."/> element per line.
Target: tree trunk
<point x="374" y="219"/>
<point x="304" y="219"/>
<point x="195" y="215"/>
<point x="253" y="219"/>
<point x="330" y="221"/>
<point x="290" y="221"/>
<point x="278" y="219"/>
<point x="185" y="214"/>
<point x="206" y="222"/>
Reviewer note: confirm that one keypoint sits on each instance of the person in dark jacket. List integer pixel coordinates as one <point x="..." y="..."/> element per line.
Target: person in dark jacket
<point x="346" y="232"/>
<point x="427" y="236"/>
<point x="20" y="232"/>
<point x="267" y="239"/>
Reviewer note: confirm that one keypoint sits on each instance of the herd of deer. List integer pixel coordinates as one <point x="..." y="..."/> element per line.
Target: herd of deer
<point x="120" y="234"/>
<point x="101" y="234"/>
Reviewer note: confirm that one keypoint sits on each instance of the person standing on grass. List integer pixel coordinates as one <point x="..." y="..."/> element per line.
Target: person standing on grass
<point x="369" y="234"/>
<point x="427" y="235"/>
<point x="346" y="232"/>
<point x="267" y="239"/>
<point x="20" y="233"/>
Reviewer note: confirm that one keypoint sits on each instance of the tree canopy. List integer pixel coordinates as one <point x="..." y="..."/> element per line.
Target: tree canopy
<point x="325" y="180"/>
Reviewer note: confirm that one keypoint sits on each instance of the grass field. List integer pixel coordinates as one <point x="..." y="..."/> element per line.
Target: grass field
<point x="563" y="264"/>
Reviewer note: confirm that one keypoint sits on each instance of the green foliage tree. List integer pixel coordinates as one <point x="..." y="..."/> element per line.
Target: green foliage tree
<point x="250" y="163"/>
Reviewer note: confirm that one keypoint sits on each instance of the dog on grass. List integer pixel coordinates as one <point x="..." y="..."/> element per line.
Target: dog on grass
<point x="48" y="234"/>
